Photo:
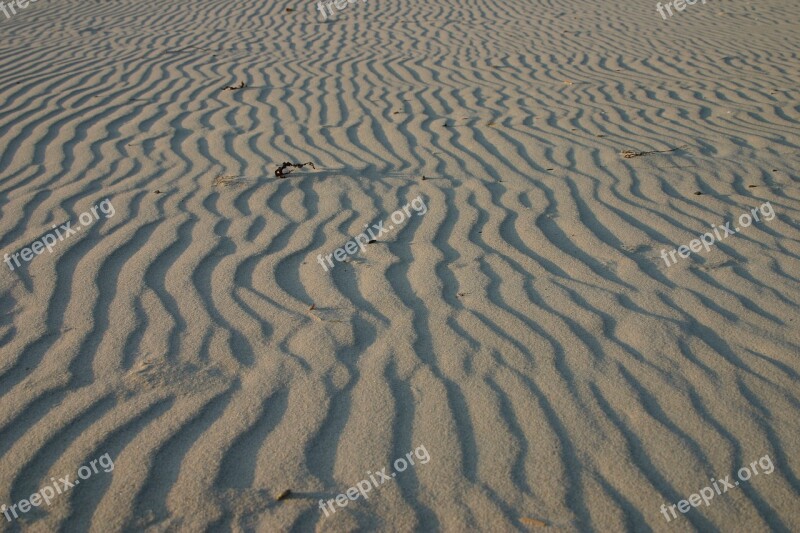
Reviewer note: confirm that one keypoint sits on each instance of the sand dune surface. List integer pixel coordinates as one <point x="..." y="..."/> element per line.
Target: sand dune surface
<point x="464" y="316"/>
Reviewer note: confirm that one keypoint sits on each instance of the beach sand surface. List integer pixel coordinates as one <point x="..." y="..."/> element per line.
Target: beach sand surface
<point x="522" y="331"/>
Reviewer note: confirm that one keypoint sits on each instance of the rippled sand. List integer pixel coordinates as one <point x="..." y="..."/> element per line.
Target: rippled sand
<point x="525" y="329"/>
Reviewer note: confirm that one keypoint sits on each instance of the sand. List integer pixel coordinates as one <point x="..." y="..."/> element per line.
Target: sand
<point x="525" y="331"/>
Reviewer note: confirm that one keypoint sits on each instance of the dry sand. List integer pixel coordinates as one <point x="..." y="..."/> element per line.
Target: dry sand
<point x="524" y="330"/>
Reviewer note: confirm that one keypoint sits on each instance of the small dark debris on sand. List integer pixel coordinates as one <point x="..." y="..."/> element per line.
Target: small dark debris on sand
<point x="629" y="154"/>
<point x="533" y="522"/>
<point x="280" y="171"/>
<point x="241" y="85"/>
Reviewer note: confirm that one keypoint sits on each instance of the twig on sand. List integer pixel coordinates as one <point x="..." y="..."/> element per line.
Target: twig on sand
<point x="629" y="154"/>
<point x="533" y="522"/>
<point x="241" y="85"/>
<point x="279" y="172"/>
